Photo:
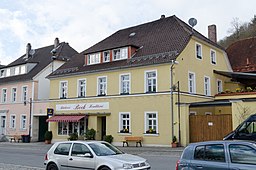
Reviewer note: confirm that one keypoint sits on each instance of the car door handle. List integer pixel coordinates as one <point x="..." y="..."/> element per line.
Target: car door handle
<point x="71" y="159"/>
<point x="183" y="164"/>
<point x="199" y="166"/>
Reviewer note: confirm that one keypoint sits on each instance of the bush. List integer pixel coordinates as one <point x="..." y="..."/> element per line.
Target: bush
<point x="48" y="135"/>
<point x="90" y="134"/>
<point x="73" y="136"/>
<point x="108" y="138"/>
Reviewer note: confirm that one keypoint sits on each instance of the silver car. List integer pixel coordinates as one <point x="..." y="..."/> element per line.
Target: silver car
<point x="94" y="155"/>
<point x="218" y="155"/>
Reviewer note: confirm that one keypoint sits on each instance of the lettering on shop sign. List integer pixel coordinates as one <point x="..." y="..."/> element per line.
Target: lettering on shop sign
<point x="83" y="106"/>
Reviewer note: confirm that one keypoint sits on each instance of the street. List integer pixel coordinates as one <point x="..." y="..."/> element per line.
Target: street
<point x="30" y="156"/>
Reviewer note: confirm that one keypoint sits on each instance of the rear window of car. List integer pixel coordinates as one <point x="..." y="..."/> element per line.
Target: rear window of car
<point x="187" y="153"/>
<point x="242" y="154"/>
<point x="213" y="152"/>
<point x="62" y="149"/>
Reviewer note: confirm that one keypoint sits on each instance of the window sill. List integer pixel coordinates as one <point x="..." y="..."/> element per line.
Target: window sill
<point x="81" y="96"/>
<point x="124" y="93"/>
<point x="120" y="133"/>
<point x="151" y="92"/>
<point x="63" y="98"/>
<point x="101" y="94"/>
<point x="151" y="134"/>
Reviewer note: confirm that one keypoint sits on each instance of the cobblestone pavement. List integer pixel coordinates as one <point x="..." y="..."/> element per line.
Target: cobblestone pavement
<point x="17" y="167"/>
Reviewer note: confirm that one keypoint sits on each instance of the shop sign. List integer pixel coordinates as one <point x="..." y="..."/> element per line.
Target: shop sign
<point x="82" y="106"/>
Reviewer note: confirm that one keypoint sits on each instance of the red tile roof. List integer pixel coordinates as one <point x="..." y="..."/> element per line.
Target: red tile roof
<point x="242" y="55"/>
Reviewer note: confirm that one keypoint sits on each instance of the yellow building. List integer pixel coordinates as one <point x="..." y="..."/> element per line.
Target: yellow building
<point x="140" y="81"/>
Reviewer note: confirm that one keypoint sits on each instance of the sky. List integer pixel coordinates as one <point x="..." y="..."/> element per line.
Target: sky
<point x="83" y="23"/>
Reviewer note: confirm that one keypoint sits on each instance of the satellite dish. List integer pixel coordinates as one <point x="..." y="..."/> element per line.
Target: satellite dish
<point x="192" y="22"/>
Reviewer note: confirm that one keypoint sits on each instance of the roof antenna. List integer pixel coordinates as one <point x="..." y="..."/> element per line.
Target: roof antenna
<point x="192" y="22"/>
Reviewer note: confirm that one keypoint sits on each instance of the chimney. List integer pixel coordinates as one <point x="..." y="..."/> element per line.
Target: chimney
<point x="162" y="16"/>
<point x="212" y="33"/>
<point x="56" y="42"/>
<point x="28" y="50"/>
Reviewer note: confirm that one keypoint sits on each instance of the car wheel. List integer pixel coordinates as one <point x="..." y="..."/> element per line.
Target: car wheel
<point x="52" y="166"/>
<point x="105" y="168"/>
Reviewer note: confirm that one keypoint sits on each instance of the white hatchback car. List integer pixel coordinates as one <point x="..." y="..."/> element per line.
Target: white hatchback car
<point x="94" y="155"/>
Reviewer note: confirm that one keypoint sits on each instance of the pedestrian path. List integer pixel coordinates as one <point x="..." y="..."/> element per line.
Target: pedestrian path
<point x="17" y="167"/>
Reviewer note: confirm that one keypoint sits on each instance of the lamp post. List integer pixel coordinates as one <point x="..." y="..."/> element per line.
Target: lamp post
<point x="173" y="62"/>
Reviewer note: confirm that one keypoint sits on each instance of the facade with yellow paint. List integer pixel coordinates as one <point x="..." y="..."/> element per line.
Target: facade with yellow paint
<point x="140" y="81"/>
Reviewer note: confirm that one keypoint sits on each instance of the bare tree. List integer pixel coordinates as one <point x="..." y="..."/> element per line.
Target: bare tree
<point x="244" y="112"/>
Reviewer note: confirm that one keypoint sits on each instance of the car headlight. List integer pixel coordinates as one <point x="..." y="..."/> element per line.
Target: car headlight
<point x="127" y="166"/>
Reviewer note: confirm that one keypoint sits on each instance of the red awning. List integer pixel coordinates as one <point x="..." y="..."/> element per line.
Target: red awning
<point x="65" y="118"/>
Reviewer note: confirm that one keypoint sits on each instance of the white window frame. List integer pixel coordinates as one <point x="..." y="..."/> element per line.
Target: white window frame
<point x="63" y="131"/>
<point x="127" y="120"/>
<point x="8" y="72"/>
<point x="122" y="54"/>
<point x="14" y="95"/>
<point x="219" y="86"/>
<point x="12" y="121"/>
<point x="150" y="79"/>
<point x="199" y="54"/>
<point x="207" y="85"/>
<point x="123" y="87"/>
<point x="65" y="90"/>
<point x="104" y="84"/>
<point x="23" y="122"/>
<point x="4" y="95"/>
<point x="94" y="58"/>
<point x="146" y="121"/>
<point x="213" y="56"/>
<point x="22" y="69"/>
<point x="24" y="95"/>
<point x="104" y="57"/>
<point x="2" y="73"/>
<point x="192" y="113"/>
<point x="207" y="113"/>
<point x="193" y="90"/>
<point x="16" y="70"/>
<point x="79" y="87"/>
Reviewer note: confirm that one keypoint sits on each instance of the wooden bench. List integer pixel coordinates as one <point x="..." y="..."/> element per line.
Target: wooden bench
<point x="15" y="138"/>
<point x="137" y="139"/>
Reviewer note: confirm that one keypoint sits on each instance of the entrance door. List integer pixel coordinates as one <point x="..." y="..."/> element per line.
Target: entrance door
<point x="2" y="124"/>
<point x="43" y="127"/>
<point x="103" y="127"/>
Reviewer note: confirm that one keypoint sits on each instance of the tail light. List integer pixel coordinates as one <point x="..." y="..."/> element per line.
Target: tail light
<point x="46" y="157"/>
<point x="177" y="165"/>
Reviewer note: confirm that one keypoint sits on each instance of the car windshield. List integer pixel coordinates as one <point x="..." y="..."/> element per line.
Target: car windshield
<point x="104" y="149"/>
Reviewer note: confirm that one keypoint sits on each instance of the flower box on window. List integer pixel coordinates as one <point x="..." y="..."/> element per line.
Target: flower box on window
<point x="151" y="131"/>
<point x="124" y="131"/>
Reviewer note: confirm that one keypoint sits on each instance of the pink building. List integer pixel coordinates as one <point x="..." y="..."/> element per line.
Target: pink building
<point x="24" y="90"/>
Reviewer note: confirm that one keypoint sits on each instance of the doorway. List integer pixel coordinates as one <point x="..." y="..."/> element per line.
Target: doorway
<point x="43" y="127"/>
<point x="103" y="127"/>
<point x="2" y="125"/>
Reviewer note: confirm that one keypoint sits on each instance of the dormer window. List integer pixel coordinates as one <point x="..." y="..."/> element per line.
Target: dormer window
<point x="22" y="69"/>
<point x="16" y="70"/>
<point x="8" y="72"/>
<point x="2" y="73"/>
<point x="93" y="58"/>
<point x="106" y="56"/>
<point x="121" y="53"/>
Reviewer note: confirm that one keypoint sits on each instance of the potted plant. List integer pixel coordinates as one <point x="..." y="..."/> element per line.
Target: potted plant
<point x="108" y="138"/>
<point x="73" y="136"/>
<point x="174" y="142"/>
<point x="90" y="134"/>
<point x="48" y="137"/>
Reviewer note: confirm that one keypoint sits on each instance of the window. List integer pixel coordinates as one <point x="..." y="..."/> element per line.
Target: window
<point x="102" y="86"/>
<point x="79" y="149"/>
<point x="2" y="73"/>
<point x="12" y="121"/>
<point x="219" y="86"/>
<point x="151" y="83"/>
<point x="191" y="82"/>
<point x="17" y="71"/>
<point x="24" y="96"/>
<point x="4" y="95"/>
<point x="22" y="69"/>
<point x="210" y="153"/>
<point x="66" y="128"/>
<point x="151" y="123"/>
<point x="82" y="88"/>
<point x="23" y="121"/>
<point x="124" y="122"/>
<point x="93" y="58"/>
<point x="14" y="94"/>
<point x="125" y="84"/>
<point x="106" y="56"/>
<point x="199" y="51"/>
<point x="8" y="72"/>
<point x="213" y="57"/>
<point x="119" y="54"/>
<point x="207" y="88"/>
<point x="63" y="89"/>
<point x="62" y="149"/>
<point x="242" y="154"/>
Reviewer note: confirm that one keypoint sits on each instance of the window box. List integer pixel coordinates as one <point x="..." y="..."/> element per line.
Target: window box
<point x="124" y="131"/>
<point x="151" y="131"/>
